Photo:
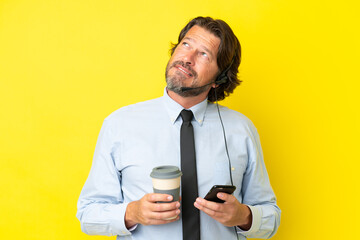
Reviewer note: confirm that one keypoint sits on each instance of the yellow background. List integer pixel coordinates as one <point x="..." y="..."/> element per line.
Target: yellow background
<point x="66" y="65"/>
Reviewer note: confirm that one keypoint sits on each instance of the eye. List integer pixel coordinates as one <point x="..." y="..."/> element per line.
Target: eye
<point x="185" y="44"/>
<point x="204" y="54"/>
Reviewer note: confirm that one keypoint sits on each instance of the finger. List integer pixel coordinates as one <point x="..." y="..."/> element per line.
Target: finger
<point x="208" y="211"/>
<point x="158" y="222"/>
<point x="162" y="207"/>
<point x="226" y="197"/>
<point x="158" y="197"/>
<point x="169" y="215"/>
<point x="217" y="207"/>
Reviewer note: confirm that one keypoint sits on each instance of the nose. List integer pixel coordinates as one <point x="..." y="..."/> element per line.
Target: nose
<point x="189" y="58"/>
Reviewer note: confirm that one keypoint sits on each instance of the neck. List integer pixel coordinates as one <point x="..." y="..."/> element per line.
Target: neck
<point x="187" y="102"/>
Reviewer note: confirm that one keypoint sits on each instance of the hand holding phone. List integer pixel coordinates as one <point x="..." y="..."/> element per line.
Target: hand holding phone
<point x="211" y="195"/>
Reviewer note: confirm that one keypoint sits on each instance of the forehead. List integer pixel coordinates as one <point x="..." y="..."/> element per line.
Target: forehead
<point x="203" y="38"/>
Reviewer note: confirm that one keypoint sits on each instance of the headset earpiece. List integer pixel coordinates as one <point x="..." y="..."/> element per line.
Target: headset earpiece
<point x="223" y="78"/>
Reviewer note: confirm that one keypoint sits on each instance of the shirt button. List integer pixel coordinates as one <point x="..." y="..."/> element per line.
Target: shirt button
<point x="233" y="168"/>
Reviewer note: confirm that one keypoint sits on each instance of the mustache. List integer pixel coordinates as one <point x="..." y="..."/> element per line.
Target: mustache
<point x="181" y="63"/>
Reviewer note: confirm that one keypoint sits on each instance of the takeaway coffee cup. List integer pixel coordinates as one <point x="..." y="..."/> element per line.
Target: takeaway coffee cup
<point x="166" y="179"/>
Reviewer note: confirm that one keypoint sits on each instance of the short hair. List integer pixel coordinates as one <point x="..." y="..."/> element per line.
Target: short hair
<point x="229" y="52"/>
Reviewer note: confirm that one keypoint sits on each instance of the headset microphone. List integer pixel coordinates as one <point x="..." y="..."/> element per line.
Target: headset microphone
<point x="185" y="89"/>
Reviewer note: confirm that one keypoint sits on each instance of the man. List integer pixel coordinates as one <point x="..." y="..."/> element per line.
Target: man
<point x="117" y="198"/>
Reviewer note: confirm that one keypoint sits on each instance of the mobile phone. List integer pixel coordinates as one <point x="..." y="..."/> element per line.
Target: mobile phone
<point x="211" y="195"/>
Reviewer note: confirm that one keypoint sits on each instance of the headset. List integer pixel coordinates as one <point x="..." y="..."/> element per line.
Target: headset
<point x="221" y="79"/>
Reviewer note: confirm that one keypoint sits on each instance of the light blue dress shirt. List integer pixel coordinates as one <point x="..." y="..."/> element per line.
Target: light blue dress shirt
<point x="135" y="139"/>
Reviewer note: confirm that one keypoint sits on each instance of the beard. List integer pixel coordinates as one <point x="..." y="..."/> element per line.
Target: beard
<point x="175" y="81"/>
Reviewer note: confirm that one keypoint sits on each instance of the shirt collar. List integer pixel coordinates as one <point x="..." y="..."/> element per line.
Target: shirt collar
<point x="174" y="109"/>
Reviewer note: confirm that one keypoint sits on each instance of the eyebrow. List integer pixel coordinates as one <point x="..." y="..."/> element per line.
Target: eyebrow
<point x="205" y="48"/>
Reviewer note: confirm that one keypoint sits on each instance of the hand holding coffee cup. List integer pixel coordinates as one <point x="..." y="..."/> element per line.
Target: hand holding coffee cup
<point x="148" y="210"/>
<point x="166" y="180"/>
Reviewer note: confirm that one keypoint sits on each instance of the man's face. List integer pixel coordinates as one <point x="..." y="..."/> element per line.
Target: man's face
<point x="193" y="63"/>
